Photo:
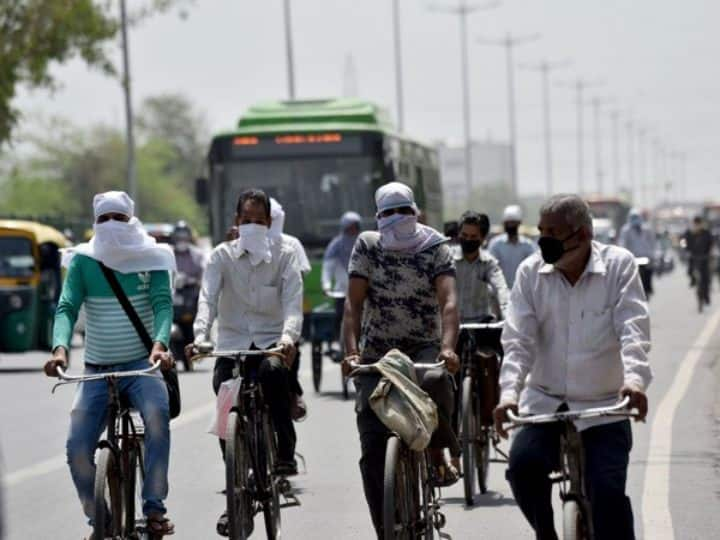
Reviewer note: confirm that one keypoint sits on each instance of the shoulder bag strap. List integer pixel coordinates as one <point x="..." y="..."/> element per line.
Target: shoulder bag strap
<point x="127" y="306"/>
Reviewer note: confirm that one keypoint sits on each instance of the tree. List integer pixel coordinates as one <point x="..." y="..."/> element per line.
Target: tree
<point x="175" y="120"/>
<point x="36" y="33"/>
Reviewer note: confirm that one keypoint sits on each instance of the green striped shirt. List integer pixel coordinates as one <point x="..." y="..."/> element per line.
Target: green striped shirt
<point x="110" y="337"/>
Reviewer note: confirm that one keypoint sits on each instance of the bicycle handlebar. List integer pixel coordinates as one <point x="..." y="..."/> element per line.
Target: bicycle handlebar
<point x="335" y="294"/>
<point x="74" y="379"/>
<point x="204" y="353"/>
<point x="360" y="369"/>
<point x="619" y="409"/>
<point x="499" y="325"/>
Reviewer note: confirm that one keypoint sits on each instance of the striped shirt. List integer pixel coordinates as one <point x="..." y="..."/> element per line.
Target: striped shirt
<point x="110" y="337"/>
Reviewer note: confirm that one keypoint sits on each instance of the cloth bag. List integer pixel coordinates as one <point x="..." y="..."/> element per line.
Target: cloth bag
<point x="400" y="404"/>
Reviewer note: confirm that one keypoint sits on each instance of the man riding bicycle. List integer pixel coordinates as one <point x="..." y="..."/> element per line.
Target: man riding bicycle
<point x="699" y="243"/>
<point x="401" y="294"/>
<point x="111" y="344"/>
<point x="577" y="336"/>
<point x="481" y="287"/>
<point x="254" y="289"/>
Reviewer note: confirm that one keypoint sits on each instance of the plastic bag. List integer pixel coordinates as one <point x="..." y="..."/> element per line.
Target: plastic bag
<point x="227" y="393"/>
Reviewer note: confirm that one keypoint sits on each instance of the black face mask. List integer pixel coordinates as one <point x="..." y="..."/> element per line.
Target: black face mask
<point x="469" y="246"/>
<point x="552" y="249"/>
<point x="512" y="230"/>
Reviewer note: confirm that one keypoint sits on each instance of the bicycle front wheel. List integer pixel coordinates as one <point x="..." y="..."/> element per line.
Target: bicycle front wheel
<point x="108" y="496"/>
<point x="469" y="430"/>
<point x="575" y="526"/>
<point x="400" y="502"/>
<point x="271" y="508"/>
<point x="239" y="509"/>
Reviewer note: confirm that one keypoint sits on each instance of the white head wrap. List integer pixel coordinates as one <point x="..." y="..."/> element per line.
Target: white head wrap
<point x="125" y="247"/>
<point x="277" y="214"/>
<point x="512" y="213"/>
<point x="400" y="232"/>
<point x="350" y="218"/>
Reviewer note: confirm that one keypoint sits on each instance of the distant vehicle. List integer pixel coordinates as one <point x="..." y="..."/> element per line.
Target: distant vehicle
<point x="711" y="213"/>
<point x="614" y="209"/>
<point x="160" y="231"/>
<point x="604" y="230"/>
<point x="319" y="158"/>
<point x="30" y="282"/>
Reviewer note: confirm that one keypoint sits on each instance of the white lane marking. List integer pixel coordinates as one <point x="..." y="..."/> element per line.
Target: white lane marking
<point x="657" y="520"/>
<point x="58" y="462"/>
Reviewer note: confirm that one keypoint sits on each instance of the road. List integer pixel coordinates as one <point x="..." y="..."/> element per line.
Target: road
<point x="674" y="484"/>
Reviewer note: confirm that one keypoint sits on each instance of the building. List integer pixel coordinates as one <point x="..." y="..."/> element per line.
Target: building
<point x="490" y="167"/>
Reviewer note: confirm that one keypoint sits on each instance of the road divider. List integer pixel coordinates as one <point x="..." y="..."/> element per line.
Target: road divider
<point x="657" y="520"/>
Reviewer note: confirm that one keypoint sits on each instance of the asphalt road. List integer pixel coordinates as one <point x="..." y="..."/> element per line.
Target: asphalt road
<point x="675" y="487"/>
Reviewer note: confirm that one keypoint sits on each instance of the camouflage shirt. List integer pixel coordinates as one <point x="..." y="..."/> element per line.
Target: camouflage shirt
<point x="401" y="310"/>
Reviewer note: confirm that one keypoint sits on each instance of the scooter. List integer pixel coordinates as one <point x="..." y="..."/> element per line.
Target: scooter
<point x="185" y="301"/>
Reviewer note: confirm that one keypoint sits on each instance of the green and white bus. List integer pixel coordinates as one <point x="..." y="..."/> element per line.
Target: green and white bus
<point x="319" y="158"/>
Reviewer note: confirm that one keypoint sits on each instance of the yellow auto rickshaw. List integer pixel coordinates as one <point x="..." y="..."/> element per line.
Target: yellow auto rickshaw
<point x="30" y="283"/>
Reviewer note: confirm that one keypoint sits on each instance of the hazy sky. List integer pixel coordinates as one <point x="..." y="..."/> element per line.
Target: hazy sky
<point x="655" y="58"/>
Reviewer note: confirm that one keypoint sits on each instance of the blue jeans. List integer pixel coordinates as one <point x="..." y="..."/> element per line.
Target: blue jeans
<point x="88" y="419"/>
<point x="535" y="453"/>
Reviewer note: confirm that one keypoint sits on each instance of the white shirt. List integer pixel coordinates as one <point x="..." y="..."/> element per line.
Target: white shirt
<point x="253" y="304"/>
<point x="640" y="242"/>
<point x="576" y="345"/>
<point x="300" y="256"/>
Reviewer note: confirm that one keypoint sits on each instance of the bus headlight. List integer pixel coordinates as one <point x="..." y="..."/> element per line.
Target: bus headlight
<point x="15" y="301"/>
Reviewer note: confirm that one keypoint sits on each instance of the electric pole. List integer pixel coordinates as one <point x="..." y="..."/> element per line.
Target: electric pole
<point x="509" y="42"/>
<point x="615" y="120"/>
<point x="597" y="104"/>
<point x="462" y="10"/>
<point x="127" y="89"/>
<point x="630" y="126"/>
<point x="398" y="67"/>
<point x="580" y="86"/>
<point x="545" y="68"/>
<point x="289" y="51"/>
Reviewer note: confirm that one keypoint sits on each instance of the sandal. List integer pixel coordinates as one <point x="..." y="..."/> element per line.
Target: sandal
<point x="158" y="526"/>
<point x="444" y="475"/>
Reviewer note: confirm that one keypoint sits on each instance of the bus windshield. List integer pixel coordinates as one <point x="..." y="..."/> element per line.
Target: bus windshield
<point x="16" y="257"/>
<point x="314" y="192"/>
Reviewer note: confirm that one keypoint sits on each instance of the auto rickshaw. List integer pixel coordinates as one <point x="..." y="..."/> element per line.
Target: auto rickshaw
<point x="30" y="284"/>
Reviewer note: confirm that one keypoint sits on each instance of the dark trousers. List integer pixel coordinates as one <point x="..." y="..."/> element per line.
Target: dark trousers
<point x="535" y="453"/>
<point x="646" y="275"/>
<point x="295" y="387"/>
<point x="275" y="382"/>
<point x="374" y="435"/>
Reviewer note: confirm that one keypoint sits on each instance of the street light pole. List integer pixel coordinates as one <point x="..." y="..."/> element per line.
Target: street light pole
<point x="631" y="157"/>
<point x="398" y="66"/>
<point x="289" y="51"/>
<point x="545" y="68"/>
<point x="615" y="118"/>
<point x="462" y="10"/>
<point x="509" y="43"/>
<point x="127" y="90"/>
<point x="599" y="168"/>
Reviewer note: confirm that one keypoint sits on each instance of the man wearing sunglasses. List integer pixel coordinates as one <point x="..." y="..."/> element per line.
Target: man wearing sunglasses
<point x="401" y="295"/>
<point x="142" y="268"/>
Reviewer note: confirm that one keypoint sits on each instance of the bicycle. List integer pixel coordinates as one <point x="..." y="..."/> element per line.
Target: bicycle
<point x="411" y="507"/>
<point x="323" y="330"/>
<point x="480" y="367"/>
<point x="577" y="515"/>
<point x="251" y="482"/>
<point x="120" y="471"/>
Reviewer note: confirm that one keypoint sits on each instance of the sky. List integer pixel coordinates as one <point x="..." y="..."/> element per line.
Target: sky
<point x="652" y="60"/>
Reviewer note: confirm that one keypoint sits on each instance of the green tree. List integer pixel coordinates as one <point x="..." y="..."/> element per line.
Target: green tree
<point x="36" y="33"/>
<point x="173" y="118"/>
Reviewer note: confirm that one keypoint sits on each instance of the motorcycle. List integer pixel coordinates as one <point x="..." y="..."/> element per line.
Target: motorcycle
<point x="185" y="301"/>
